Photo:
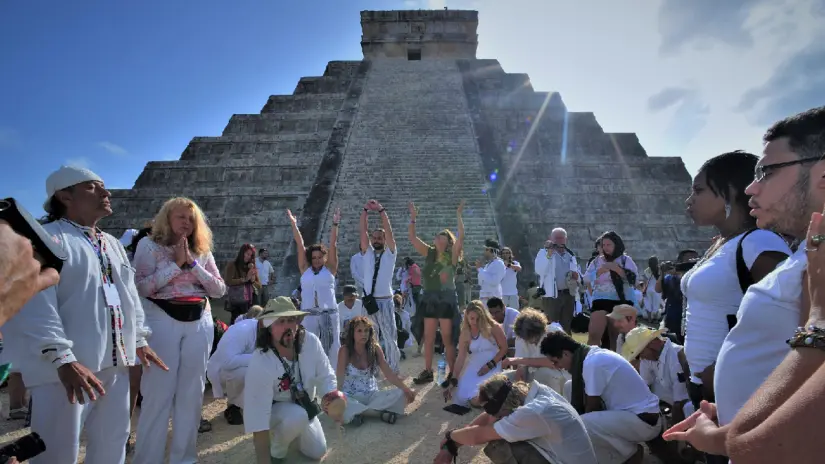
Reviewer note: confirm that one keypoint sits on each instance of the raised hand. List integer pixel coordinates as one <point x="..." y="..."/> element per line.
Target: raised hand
<point x="180" y="252"/>
<point x="291" y="217"/>
<point x="373" y="205"/>
<point x="336" y="217"/>
<point x="460" y="207"/>
<point x="413" y="211"/>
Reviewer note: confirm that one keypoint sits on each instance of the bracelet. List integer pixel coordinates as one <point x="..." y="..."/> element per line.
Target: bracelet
<point x="450" y="445"/>
<point x="365" y="209"/>
<point x="808" y="337"/>
<point x="453" y="381"/>
<point x="412" y="221"/>
<point x="491" y="364"/>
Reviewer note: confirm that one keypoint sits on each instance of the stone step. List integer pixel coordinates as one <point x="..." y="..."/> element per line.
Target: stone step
<point x="298" y="104"/>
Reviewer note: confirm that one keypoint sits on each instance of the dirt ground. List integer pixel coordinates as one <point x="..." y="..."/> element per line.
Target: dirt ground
<point x="413" y="439"/>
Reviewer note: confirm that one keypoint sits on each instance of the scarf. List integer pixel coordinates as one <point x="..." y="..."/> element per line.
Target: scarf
<point x="577" y="392"/>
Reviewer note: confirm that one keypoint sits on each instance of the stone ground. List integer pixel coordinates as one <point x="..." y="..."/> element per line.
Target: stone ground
<point x="413" y="439"/>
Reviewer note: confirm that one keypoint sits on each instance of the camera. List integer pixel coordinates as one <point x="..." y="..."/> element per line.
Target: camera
<point x="666" y="266"/>
<point x="50" y="253"/>
<point x="686" y="265"/>
<point x="23" y="449"/>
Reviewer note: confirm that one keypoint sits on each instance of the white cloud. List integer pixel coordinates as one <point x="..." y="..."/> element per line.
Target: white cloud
<point x="81" y="162"/>
<point x="113" y="148"/>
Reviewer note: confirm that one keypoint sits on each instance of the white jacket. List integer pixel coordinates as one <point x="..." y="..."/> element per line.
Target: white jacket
<point x="546" y="269"/>
<point x="490" y="277"/>
<point x="233" y="351"/>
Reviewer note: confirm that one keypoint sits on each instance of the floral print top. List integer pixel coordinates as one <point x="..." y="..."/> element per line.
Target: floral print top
<point x="158" y="276"/>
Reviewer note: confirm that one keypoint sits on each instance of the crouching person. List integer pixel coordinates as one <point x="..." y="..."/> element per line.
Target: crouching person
<point x="522" y="423"/>
<point x="227" y="366"/>
<point x="616" y="406"/>
<point x="288" y="371"/>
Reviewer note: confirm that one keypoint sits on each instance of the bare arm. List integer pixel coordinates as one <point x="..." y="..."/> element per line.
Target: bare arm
<point x="363" y="227"/>
<point x="385" y="223"/>
<point x="459" y="243"/>
<point x="332" y="260"/>
<point x="501" y="341"/>
<point x="658" y="286"/>
<point x="531" y="362"/>
<point x="300" y="248"/>
<point x="341" y="368"/>
<point x="422" y="248"/>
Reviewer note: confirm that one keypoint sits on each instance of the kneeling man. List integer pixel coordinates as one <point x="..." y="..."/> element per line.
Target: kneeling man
<point x="616" y="406"/>
<point x="226" y="368"/>
<point x="523" y="423"/>
<point x="288" y="371"/>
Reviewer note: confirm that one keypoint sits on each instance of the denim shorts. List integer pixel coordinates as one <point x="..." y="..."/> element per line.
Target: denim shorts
<point x="439" y="304"/>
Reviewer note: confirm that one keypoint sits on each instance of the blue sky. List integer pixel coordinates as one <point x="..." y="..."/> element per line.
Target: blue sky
<point x="112" y="85"/>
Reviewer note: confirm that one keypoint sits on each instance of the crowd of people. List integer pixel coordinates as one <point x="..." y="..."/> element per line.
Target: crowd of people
<point x="732" y="371"/>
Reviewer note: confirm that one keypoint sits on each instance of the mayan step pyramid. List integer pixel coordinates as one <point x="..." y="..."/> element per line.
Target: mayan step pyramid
<point x="420" y="118"/>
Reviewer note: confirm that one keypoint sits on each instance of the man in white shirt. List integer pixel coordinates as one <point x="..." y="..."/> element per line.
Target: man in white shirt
<point x="491" y="274"/>
<point x="506" y="316"/>
<point x="556" y="266"/>
<point x="378" y="252"/>
<point x="509" y="285"/>
<point x="525" y="423"/>
<point x="288" y="371"/>
<point x="356" y="269"/>
<point x="351" y="306"/>
<point x="75" y="341"/>
<point x="617" y="407"/>
<point x="226" y="368"/>
<point x="266" y="273"/>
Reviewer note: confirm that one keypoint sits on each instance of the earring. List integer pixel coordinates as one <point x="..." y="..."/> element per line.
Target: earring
<point x="727" y="210"/>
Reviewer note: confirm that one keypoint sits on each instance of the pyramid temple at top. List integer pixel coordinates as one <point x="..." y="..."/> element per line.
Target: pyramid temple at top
<point x="420" y="118"/>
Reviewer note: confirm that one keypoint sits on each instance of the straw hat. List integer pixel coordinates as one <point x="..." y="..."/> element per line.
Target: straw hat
<point x="279" y="307"/>
<point x="621" y="311"/>
<point x="637" y="340"/>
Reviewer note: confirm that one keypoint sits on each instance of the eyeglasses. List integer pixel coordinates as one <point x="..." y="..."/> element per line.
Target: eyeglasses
<point x="762" y="171"/>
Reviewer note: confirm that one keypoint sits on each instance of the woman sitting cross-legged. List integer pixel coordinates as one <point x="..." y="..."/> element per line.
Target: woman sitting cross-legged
<point x="522" y="423"/>
<point x="358" y="362"/>
<point x="481" y="347"/>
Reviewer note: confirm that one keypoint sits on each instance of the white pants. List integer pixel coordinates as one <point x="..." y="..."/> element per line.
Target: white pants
<point x="510" y="301"/>
<point x="615" y="434"/>
<point x="289" y="422"/>
<point x="313" y="324"/>
<point x="391" y="400"/>
<point x="105" y="421"/>
<point x="386" y="331"/>
<point x="184" y="347"/>
<point x="232" y="383"/>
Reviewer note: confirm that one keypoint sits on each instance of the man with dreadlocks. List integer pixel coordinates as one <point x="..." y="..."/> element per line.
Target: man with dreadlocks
<point x="523" y="423"/>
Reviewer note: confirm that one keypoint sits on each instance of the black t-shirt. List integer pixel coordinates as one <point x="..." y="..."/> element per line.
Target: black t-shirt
<point x="672" y="294"/>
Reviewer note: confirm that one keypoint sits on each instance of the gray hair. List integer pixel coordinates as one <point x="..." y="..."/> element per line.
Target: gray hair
<point x="559" y="229"/>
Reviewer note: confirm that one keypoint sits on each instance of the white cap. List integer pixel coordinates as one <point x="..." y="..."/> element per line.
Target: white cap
<point x="65" y="177"/>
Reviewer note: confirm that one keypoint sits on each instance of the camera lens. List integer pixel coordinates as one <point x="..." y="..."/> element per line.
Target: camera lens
<point x="4" y="205"/>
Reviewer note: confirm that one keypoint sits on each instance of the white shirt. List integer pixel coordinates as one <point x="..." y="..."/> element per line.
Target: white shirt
<point x="510" y="315"/>
<point x="318" y="290"/>
<point x="608" y="375"/>
<point x="383" y="284"/>
<point x="768" y="316"/>
<point x="712" y="291"/>
<point x="345" y="314"/>
<point x="546" y="269"/>
<point x="490" y="277"/>
<point x="509" y="285"/>
<point x="663" y="375"/>
<point x="530" y="350"/>
<point x="265" y="381"/>
<point x="356" y="268"/>
<point x="264" y="270"/>
<point x="233" y="351"/>
<point x="71" y="321"/>
<point x="551" y="425"/>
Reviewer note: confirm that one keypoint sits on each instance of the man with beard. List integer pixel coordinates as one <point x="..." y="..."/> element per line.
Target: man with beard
<point x="491" y="273"/>
<point x="378" y="250"/>
<point x="75" y="341"/>
<point x="288" y="371"/>
<point x="789" y="185"/>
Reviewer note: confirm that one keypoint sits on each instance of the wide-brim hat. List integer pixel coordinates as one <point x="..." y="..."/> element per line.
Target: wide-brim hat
<point x="66" y="177"/>
<point x="279" y="307"/>
<point x="621" y="311"/>
<point x="637" y="340"/>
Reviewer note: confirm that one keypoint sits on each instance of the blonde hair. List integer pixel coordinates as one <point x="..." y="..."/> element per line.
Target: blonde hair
<point x="485" y="320"/>
<point x="200" y="242"/>
<point x="488" y="389"/>
<point x="253" y="312"/>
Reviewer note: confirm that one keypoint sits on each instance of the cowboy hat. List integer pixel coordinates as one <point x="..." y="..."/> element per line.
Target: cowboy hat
<point x="279" y="307"/>
<point x="637" y="340"/>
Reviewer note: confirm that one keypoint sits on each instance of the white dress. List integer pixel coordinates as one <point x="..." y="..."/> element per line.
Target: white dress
<point x="482" y="351"/>
<point x="653" y="299"/>
<point x="318" y="298"/>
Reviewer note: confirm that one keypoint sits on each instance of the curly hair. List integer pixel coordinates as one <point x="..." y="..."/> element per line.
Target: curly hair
<point x="372" y="341"/>
<point x="530" y="324"/>
<point x="313" y="248"/>
<point x="200" y="241"/>
<point x="485" y="320"/>
<point x="488" y="389"/>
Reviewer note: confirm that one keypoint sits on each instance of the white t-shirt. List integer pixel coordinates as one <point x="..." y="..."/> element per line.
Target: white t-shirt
<point x="509" y="284"/>
<point x="510" y="315"/>
<point x="663" y="375"/>
<point x="611" y="377"/>
<point x="383" y="285"/>
<point x="551" y="425"/>
<point x="712" y="291"/>
<point x="768" y="316"/>
<point x="264" y="270"/>
<point x="345" y="314"/>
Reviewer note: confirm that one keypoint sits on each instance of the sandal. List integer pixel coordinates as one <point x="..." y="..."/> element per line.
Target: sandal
<point x="389" y="417"/>
<point x="205" y="426"/>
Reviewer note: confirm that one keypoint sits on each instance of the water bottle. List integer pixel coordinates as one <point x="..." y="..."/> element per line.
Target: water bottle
<point x="442" y="371"/>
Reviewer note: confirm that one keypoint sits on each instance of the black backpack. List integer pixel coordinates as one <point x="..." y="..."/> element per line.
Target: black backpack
<point x="742" y="273"/>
